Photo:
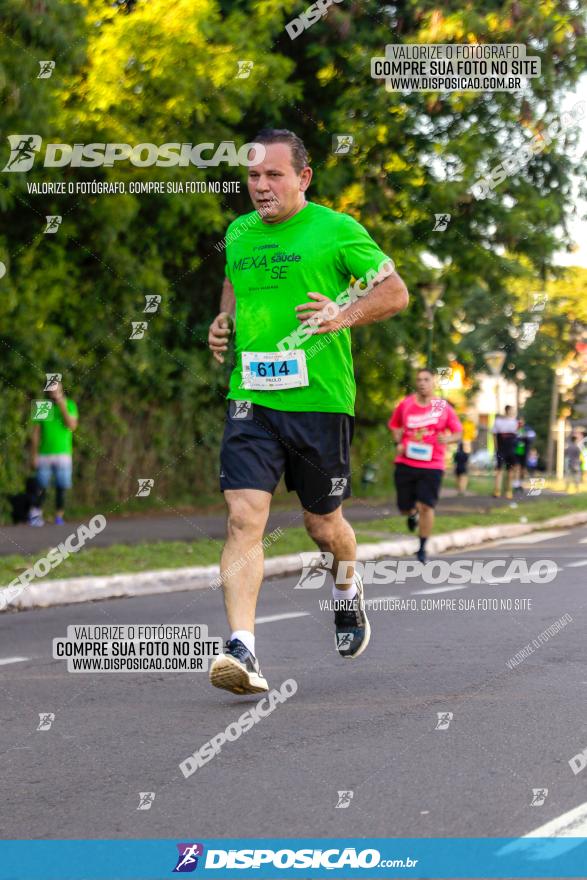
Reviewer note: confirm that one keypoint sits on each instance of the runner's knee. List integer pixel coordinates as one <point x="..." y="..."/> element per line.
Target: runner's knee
<point x="322" y="529"/>
<point x="246" y="518"/>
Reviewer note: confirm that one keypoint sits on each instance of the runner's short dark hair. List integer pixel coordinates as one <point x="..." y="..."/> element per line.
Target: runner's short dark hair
<point x="299" y="154"/>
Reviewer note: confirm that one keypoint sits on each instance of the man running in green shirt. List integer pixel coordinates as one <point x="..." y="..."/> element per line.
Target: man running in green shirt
<point x="298" y="276"/>
<point x="51" y="450"/>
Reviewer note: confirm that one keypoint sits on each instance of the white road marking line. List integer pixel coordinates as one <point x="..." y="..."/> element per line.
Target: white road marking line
<point x="577" y="564"/>
<point x="536" y="538"/>
<point x="583" y="541"/>
<point x="436" y="590"/>
<point x="6" y="660"/>
<point x="271" y="617"/>
<point x="571" y="824"/>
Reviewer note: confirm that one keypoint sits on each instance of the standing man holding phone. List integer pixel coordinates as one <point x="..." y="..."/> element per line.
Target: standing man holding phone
<point x="52" y="448"/>
<point x="422" y="426"/>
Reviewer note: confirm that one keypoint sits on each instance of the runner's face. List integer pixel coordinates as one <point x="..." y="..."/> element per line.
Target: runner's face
<point x="275" y="188"/>
<point x="424" y="384"/>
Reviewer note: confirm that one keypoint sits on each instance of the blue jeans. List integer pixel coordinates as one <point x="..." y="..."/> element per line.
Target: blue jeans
<point x="59" y="466"/>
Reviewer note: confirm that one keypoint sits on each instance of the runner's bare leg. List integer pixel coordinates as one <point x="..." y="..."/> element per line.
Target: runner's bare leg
<point x="426" y="521"/>
<point x="334" y="534"/>
<point x="241" y="565"/>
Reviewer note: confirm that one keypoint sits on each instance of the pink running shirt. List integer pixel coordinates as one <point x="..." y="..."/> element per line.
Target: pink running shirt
<point x="421" y="426"/>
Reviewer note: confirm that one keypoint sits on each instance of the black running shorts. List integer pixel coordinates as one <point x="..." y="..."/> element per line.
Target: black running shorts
<point x="416" y="484"/>
<point x="505" y="455"/>
<point x="312" y="450"/>
<point x="505" y="460"/>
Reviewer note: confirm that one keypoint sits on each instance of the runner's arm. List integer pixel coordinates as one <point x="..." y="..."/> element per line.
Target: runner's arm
<point x="447" y="438"/>
<point x="386" y="298"/>
<point x="396" y="427"/>
<point x="227" y="299"/>
<point x="69" y="420"/>
<point x="220" y="328"/>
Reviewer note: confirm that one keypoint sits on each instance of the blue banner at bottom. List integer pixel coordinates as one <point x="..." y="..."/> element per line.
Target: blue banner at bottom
<point x="368" y="858"/>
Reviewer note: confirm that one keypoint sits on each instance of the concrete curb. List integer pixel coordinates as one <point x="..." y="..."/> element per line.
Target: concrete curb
<point x="171" y="580"/>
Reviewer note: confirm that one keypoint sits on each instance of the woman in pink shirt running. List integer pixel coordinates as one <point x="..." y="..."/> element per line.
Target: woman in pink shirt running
<point x="422" y="425"/>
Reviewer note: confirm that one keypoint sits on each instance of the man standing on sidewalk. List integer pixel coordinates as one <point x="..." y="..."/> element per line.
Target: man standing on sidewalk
<point x="422" y="426"/>
<point x="505" y="429"/>
<point x="51" y="450"/>
<point x="289" y="265"/>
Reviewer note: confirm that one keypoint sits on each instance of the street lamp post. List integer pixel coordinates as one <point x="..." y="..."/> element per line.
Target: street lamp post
<point x="495" y="361"/>
<point x="431" y="294"/>
<point x="556" y="388"/>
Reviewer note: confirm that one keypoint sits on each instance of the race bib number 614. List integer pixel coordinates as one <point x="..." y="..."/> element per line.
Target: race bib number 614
<point x="274" y="370"/>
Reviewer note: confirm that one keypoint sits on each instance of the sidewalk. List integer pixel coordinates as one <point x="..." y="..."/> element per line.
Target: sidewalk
<point x="90" y="589"/>
<point x="129" y="530"/>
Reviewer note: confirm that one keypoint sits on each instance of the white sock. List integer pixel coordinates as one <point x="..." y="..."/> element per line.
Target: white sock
<point x="246" y="637"/>
<point x="345" y="594"/>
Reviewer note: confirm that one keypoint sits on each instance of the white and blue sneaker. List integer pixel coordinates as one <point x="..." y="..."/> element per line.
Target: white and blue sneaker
<point x="36" y="517"/>
<point x="353" y="631"/>
<point x="237" y="670"/>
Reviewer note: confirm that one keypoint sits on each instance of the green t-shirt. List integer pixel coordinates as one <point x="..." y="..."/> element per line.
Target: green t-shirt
<point x="56" y="437"/>
<point x="272" y="268"/>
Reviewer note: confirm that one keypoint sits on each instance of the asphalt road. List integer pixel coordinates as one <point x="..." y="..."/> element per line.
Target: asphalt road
<point x="366" y="726"/>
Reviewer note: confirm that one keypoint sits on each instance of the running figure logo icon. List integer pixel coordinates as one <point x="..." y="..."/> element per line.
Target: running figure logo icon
<point x="146" y="799"/>
<point x="152" y="302"/>
<point x="441" y="222"/>
<point x="188" y="857"/>
<point x="244" y="69"/>
<point x="42" y="411"/>
<point x="438" y="404"/>
<point x="338" y="485"/>
<point x="444" y="376"/>
<point x="138" y="329"/>
<point x="241" y="409"/>
<point x="344" y="799"/>
<point x="314" y="568"/>
<point x="47" y="68"/>
<point x="53" y="223"/>
<point x="46" y="719"/>
<point x="528" y="334"/>
<point x="444" y="719"/>
<point x="343" y="641"/>
<point x="52" y="379"/>
<point x="539" y="795"/>
<point x="539" y="302"/>
<point x="342" y="143"/>
<point x="23" y="148"/>
<point x="536" y="486"/>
